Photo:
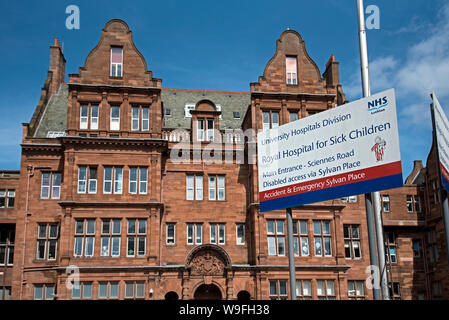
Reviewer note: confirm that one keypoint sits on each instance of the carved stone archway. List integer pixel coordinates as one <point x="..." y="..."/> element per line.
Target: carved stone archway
<point x="207" y="292"/>
<point x="208" y="260"/>
<point x="208" y="264"/>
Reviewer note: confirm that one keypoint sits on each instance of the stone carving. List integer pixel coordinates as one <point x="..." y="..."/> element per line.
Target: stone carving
<point x="207" y="262"/>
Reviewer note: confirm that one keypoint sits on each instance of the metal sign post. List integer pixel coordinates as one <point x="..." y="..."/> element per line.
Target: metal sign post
<point x="291" y="255"/>
<point x="370" y="217"/>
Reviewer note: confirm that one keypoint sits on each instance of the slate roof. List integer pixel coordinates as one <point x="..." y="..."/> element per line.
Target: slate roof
<point x="54" y="118"/>
<point x="230" y="102"/>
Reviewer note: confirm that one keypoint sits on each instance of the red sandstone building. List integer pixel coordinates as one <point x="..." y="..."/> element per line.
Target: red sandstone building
<point x="101" y="192"/>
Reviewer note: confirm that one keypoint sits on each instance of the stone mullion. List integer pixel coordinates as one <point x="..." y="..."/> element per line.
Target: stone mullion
<point x="72" y="123"/>
<point x="153" y="235"/>
<point x="125" y="115"/>
<point x="185" y="285"/>
<point x="229" y="285"/>
<point x="103" y="112"/>
<point x="284" y="112"/>
<point x="303" y="108"/>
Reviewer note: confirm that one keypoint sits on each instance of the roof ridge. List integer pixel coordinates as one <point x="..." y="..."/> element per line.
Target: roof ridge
<point x="204" y="90"/>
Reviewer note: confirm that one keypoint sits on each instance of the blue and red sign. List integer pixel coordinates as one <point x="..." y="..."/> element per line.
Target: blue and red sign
<point x="348" y="150"/>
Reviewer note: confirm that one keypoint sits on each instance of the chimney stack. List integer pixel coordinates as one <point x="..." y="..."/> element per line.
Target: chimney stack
<point x="332" y="74"/>
<point x="57" y="66"/>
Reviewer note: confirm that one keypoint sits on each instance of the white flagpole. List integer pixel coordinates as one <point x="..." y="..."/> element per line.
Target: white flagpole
<point x="372" y="201"/>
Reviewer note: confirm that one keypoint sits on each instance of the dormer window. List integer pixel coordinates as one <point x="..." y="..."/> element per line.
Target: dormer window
<point x="270" y="120"/>
<point x="188" y="107"/>
<point x="291" y="70"/>
<point x="205" y="129"/>
<point x="116" y="62"/>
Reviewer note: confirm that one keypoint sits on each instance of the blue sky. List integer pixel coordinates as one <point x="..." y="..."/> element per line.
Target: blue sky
<point x="225" y="45"/>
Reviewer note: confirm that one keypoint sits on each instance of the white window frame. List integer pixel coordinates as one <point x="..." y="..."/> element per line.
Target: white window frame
<point x="110" y="181"/>
<point x="145" y="120"/>
<point x="194" y="191"/>
<point x="84" y="120"/>
<point x="196" y="233"/>
<point x="213" y="239"/>
<point x="409" y="202"/>
<point x="166" y="234"/>
<point x="222" y="187"/>
<point x="329" y="290"/>
<point x="187" y="108"/>
<point x="12" y="195"/>
<point x="94" y="119"/>
<point x="209" y="131"/>
<point x="190" y="187"/>
<point x="55" y="186"/>
<point x="134" y="285"/>
<point x="143" y="190"/>
<point x="116" y="65"/>
<point x="386" y="199"/>
<point x="135" y="182"/>
<point x="80" y="191"/>
<point x="216" y="227"/>
<point x="300" y="292"/>
<point x="322" y="237"/>
<point x="46" y="186"/>
<point x="215" y="187"/>
<point x="199" y="180"/>
<point x="265" y="125"/>
<point x="294" y="114"/>
<point x="84" y="236"/>
<point x="89" y="180"/>
<point x="289" y="78"/>
<point x="118" y="182"/>
<point x="240" y="242"/>
<point x="134" y="119"/>
<point x="135" y="237"/>
<point x="47" y="239"/>
<point x="275" y="124"/>
<point x="45" y="294"/>
<point x="270" y="124"/>
<point x="114" y="123"/>
<point x="200" y="131"/>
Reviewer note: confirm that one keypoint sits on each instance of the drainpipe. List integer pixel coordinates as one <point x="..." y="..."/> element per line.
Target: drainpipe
<point x="160" y="214"/>
<point x="30" y="173"/>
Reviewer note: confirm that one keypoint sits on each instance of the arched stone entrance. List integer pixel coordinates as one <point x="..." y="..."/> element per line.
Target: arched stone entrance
<point x="208" y="274"/>
<point x="171" y="296"/>
<point x="207" y="292"/>
<point x="243" y="296"/>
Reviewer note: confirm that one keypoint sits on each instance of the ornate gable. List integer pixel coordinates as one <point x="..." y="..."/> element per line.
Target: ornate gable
<point x="97" y="66"/>
<point x="290" y="44"/>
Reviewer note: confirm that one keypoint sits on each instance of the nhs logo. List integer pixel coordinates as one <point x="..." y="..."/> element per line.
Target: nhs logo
<point x="378" y="105"/>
